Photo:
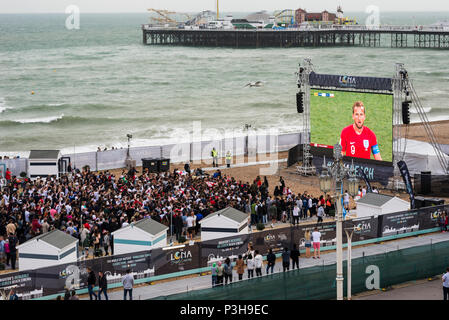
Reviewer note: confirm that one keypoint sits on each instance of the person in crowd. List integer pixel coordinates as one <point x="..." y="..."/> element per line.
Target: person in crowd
<point x="286" y="259"/>
<point x="220" y="273"/>
<point x="102" y="285"/>
<point x="91" y="281"/>
<point x="258" y="262"/>
<point x="271" y="261"/>
<point x="227" y="270"/>
<point x="240" y="266"/>
<point x="213" y="271"/>
<point x="294" y="255"/>
<point x="316" y="238"/>
<point x="128" y="283"/>
<point x="74" y="296"/>
<point x="445" y="279"/>
<point x="250" y="265"/>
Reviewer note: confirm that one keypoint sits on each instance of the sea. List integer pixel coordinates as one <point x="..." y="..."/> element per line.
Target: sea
<point x="94" y="86"/>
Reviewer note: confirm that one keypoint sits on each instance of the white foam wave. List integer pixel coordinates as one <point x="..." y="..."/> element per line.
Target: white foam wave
<point x="3" y="105"/>
<point x="40" y="120"/>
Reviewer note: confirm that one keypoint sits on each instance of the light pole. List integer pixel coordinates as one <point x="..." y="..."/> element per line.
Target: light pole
<point x="349" y="233"/>
<point x="332" y="179"/>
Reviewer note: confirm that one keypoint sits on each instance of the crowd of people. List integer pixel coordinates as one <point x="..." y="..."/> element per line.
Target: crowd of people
<point x="91" y="205"/>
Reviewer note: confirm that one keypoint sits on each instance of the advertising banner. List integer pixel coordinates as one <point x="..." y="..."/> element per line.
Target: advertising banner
<point x="176" y="259"/>
<point x="340" y="81"/>
<point x="374" y="171"/>
<point x="218" y="249"/>
<point x="398" y="223"/>
<point x="275" y="239"/>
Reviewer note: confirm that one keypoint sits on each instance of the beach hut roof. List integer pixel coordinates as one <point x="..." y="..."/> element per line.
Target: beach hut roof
<point x="230" y="213"/>
<point x="44" y="154"/>
<point x="375" y="199"/>
<point x="150" y="226"/>
<point x="56" y="238"/>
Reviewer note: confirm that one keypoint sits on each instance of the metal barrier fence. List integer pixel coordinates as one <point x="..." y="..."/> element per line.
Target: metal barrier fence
<point x="378" y="271"/>
<point x="177" y="153"/>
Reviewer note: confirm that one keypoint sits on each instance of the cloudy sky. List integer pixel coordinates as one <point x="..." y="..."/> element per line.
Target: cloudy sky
<point x="58" y="6"/>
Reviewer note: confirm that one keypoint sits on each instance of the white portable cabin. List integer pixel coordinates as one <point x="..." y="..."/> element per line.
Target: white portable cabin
<point x="375" y="204"/>
<point x="145" y="234"/>
<point x="224" y="223"/>
<point x="43" y="163"/>
<point x="49" y="249"/>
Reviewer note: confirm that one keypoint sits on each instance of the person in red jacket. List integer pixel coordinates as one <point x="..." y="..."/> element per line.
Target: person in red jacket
<point x="8" y="176"/>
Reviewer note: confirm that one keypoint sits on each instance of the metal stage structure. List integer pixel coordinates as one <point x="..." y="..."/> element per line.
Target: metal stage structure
<point x="333" y="36"/>
<point x="400" y="86"/>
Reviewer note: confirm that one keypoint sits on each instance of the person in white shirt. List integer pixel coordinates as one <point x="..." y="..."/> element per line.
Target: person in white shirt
<point x="190" y="227"/>
<point x="316" y="239"/>
<point x="258" y="261"/>
<point x="320" y="214"/>
<point x="346" y="200"/>
<point x="296" y="215"/>
<point x="363" y="192"/>
<point x="250" y="266"/>
<point x="445" y="279"/>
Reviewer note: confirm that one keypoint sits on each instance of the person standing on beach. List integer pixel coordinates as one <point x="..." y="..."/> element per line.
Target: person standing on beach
<point x="228" y="159"/>
<point x="214" y="155"/>
<point x="128" y="283"/>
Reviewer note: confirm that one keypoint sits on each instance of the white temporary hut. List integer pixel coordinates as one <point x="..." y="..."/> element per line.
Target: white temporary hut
<point x="374" y="204"/>
<point x="145" y="234"/>
<point x="224" y="223"/>
<point x="51" y="248"/>
<point x="43" y="163"/>
<point x="420" y="156"/>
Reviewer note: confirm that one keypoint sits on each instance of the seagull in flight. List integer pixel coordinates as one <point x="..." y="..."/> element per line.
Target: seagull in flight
<point x="254" y="84"/>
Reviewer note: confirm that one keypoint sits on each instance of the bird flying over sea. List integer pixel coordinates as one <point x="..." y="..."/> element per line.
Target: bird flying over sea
<point x="254" y="84"/>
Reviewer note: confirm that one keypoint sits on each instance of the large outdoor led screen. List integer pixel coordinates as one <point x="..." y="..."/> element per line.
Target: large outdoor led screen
<point x="360" y="122"/>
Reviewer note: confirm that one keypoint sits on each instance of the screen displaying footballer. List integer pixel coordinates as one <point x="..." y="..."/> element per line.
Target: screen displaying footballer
<point x="360" y="122"/>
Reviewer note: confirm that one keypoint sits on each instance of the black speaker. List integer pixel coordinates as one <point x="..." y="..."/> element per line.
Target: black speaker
<point x="300" y="102"/>
<point x="294" y="155"/>
<point x="164" y="165"/>
<point x="406" y="112"/>
<point x="426" y="181"/>
<point x="150" y="164"/>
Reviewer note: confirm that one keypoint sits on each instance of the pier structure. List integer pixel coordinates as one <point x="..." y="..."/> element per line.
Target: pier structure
<point x="393" y="37"/>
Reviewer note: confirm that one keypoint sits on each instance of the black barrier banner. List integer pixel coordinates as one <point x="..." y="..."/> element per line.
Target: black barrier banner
<point x="170" y="260"/>
<point x="218" y="249"/>
<point x="53" y="280"/>
<point x="275" y="239"/>
<point x="428" y="218"/>
<point x="350" y="82"/>
<point x="408" y="183"/>
<point x="373" y="171"/>
<point x="399" y="223"/>
<point x="367" y="228"/>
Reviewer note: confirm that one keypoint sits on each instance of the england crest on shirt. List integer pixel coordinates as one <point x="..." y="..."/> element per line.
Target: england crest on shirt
<point x="366" y="144"/>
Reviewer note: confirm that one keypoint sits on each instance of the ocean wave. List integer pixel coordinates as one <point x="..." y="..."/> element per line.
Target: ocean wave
<point x="40" y="120"/>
